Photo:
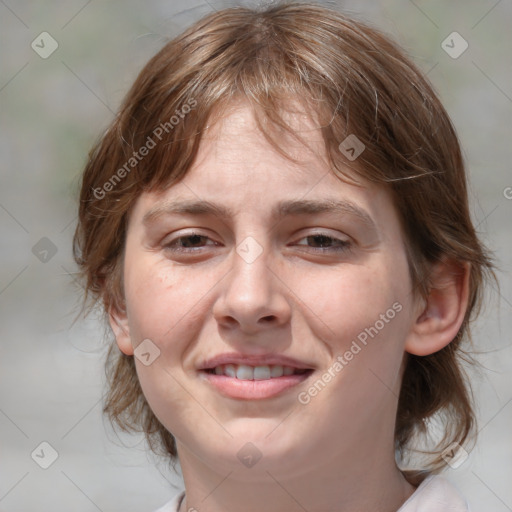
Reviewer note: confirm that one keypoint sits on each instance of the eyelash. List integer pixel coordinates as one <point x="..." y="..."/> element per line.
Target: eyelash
<point x="343" y="245"/>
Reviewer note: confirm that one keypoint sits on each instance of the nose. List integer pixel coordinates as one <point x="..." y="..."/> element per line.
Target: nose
<point x="253" y="297"/>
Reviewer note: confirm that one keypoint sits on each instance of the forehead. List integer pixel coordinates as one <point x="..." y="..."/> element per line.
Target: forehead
<point x="237" y="131"/>
<point x="238" y="168"/>
<point x="235" y="155"/>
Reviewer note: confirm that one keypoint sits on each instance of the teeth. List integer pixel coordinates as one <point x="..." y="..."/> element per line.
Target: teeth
<point x="276" y="371"/>
<point x="246" y="372"/>
<point x="229" y="370"/>
<point x="261" y="372"/>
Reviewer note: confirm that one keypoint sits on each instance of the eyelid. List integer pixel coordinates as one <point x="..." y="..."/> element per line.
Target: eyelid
<point x="340" y="244"/>
<point x="178" y="236"/>
<point x="325" y="232"/>
<point x="317" y="232"/>
<point x="344" y="244"/>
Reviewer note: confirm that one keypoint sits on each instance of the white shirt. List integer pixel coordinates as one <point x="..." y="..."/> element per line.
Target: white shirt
<point x="434" y="494"/>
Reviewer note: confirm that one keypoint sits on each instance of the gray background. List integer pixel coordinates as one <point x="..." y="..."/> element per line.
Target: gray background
<point x="53" y="109"/>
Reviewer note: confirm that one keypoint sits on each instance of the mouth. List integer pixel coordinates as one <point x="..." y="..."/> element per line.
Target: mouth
<point x="246" y="382"/>
<point x="263" y="372"/>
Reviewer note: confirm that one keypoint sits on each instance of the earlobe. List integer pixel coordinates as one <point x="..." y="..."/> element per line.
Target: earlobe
<point x="443" y="312"/>
<point x="119" y="324"/>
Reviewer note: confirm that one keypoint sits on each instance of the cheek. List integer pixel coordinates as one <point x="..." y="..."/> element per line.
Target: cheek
<point x="164" y="305"/>
<point x="165" y="302"/>
<point x="361" y="316"/>
<point x="149" y="298"/>
<point x="342" y="303"/>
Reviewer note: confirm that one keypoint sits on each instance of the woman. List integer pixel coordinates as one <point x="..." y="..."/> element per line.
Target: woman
<point x="277" y="226"/>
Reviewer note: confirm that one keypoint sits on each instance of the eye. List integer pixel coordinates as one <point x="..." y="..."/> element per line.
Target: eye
<point x="191" y="242"/>
<point x="324" y="242"/>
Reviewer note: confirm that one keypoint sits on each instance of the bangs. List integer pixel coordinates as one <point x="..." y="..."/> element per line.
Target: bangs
<point x="278" y="68"/>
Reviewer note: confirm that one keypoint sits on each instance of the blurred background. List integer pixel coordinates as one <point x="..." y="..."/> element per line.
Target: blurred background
<point x="64" y="68"/>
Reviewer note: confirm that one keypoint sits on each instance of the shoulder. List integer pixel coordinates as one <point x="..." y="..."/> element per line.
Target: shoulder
<point x="173" y="505"/>
<point x="434" y="494"/>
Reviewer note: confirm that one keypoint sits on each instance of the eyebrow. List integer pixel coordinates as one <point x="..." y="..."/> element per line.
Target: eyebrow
<point x="281" y="210"/>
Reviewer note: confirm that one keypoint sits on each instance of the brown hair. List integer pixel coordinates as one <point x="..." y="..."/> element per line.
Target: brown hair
<point x="357" y="82"/>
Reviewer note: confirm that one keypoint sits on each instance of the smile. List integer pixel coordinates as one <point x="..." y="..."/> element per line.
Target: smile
<point x="254" y="382"/>
<point x="263" y="372"/>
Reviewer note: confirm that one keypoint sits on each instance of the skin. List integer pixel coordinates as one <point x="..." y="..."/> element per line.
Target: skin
<point x="335" y="453"/>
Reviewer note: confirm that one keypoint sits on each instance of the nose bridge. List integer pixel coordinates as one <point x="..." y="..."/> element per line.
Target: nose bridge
<point x="252" y="295"/>
<point x="251" y="281"/>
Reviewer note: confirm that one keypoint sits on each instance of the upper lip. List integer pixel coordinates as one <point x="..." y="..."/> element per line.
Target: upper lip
<point x="253" y="360"/>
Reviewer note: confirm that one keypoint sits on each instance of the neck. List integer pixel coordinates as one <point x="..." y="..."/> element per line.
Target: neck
<point x="355" y="480"/>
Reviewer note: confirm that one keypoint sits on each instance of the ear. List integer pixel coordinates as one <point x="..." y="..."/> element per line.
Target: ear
<point x="119" y="324"/>
<point x="439" y="318"/>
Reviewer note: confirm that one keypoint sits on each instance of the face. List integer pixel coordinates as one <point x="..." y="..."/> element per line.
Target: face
<point x="277" y="299"/>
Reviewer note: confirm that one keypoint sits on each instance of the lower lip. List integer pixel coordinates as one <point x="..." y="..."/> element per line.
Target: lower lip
<point x="253" y="389"/>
